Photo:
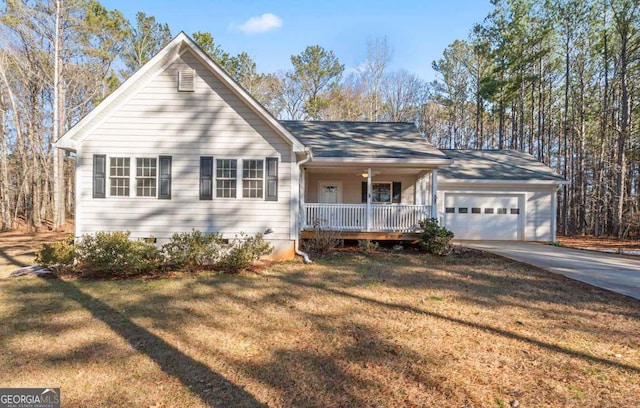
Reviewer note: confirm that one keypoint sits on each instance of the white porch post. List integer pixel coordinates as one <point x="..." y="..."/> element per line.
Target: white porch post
<point x="369" y="208"/>
<point x="303" y="186"/>
<point x="434" y="194"/>
<point x="554" y="213"/>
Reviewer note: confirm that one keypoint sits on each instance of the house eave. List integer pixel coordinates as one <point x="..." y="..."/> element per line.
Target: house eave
<point x="382" y="161"/>
<point x="66" y="144"/>
<point x="448" y="181"/>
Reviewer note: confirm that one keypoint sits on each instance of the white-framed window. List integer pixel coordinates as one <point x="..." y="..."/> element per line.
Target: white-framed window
<point x="381" y="193"/>
<point x="252" y="178"/>
<point x="131" y="176"/>
<point x="226" y="178"/>
<point x="119" y="176"/>
<point x="146" y="176"/>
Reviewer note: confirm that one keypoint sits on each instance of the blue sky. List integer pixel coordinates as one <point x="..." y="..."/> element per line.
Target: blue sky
<point x="417" y="30"/>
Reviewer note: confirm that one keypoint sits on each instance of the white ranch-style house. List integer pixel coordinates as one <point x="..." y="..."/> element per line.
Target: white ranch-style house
<point x="181" y="146"/>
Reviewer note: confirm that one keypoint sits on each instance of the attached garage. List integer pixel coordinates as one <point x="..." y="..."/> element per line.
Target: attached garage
<point x="498" y="195"/>
<point x="484" y="216"/>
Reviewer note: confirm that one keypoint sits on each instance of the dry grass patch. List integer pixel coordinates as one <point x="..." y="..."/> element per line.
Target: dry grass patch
<point x="384" y="330"/>
<point x="18" y="248"/>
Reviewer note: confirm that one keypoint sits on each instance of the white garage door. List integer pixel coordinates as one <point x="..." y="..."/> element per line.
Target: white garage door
<point x="490" y="217"/>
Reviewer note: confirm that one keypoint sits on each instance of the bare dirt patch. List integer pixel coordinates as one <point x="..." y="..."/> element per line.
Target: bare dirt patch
<point x="608" y="244"/>
<point x="385" y="330"/>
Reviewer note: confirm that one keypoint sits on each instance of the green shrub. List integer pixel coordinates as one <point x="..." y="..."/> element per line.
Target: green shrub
<point x="435" y="239"/>
<point x="367" y="246"/>
<point x="244" y="252"/>
<point x="113" y="254"/>
<point x="59" y="253"/>
<point x="193" y="250"/>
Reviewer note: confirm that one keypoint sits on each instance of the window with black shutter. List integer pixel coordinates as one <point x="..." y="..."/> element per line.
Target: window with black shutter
<point x="364" y="191"/>
<point x="206" y="178"/>
<point x="397" y="192"/>
<point x="272" y="179"/>
<point x="165" y="178"/>
<point x="99" y="175"/>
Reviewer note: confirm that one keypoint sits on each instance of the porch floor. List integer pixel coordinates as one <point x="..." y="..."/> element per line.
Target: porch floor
<point x="371" y="235"/>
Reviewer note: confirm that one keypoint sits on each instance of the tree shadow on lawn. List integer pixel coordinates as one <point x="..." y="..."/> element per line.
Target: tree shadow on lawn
<point x="305" y="375"/>
<point x="10" y="260"/>
<point x="485" y="280"/>
<point x="212" y="388"/>
<point x="473" y="292"/>
<point x="297" y="279"/>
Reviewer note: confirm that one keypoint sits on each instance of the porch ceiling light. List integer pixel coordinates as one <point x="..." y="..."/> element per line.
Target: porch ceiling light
<point x="365" y="175"/>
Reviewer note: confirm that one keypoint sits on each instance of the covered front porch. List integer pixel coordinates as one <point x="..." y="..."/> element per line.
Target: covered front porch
<point x="382" y="201"/>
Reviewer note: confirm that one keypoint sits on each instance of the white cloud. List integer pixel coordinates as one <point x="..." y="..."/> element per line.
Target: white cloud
<point x="260" y="24"/>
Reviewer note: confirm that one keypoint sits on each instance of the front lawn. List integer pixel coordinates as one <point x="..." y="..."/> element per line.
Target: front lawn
<point x="383" y="330"/>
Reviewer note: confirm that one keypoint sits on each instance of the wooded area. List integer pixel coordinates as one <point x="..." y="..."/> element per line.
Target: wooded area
<point x="558" y="79"/>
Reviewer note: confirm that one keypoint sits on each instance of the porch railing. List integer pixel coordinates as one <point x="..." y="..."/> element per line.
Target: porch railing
<point x="353" y="217"/>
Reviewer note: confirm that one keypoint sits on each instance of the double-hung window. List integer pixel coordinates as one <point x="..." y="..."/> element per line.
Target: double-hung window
<point x="381" y="193"/>
<point x="119" y="176"/>
<point x="151" y="176"/>
<point x="252" y="178"/>
<point x="146" y="178"/>
<point x="226" y="178"/>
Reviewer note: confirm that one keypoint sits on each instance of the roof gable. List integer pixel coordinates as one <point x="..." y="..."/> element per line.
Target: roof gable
<point x="171" y="52"/>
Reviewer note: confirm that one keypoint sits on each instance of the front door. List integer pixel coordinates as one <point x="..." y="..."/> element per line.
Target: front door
<point x="330" y="192"/>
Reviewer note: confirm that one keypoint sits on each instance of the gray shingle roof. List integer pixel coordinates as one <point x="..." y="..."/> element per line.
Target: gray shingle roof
<point x="496" y="165"/>
<point x="363" y="140"/>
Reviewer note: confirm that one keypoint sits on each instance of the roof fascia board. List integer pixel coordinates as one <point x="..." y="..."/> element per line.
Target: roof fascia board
<point x="361" y="161"/>
<point x="447" y="181"/>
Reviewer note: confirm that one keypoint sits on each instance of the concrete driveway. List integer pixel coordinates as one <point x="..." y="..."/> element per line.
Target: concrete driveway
<point x="617" y="273"/>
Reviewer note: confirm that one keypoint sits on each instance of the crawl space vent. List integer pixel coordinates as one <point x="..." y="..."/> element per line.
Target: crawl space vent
<point x="186" y="80"/>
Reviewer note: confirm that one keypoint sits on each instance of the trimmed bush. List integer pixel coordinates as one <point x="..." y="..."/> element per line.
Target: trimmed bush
<point x="57" y="254"/>
<point x="435" y="239"/>
<point x="113" y="254"/>
<point x="193" y="250"/>
<point x="244" y="252"/>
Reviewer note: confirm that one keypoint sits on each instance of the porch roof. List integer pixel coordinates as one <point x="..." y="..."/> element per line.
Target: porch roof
<point x="366" y="141"/>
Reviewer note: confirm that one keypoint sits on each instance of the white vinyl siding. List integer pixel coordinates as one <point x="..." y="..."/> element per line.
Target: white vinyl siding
<point x="212" y="121"/>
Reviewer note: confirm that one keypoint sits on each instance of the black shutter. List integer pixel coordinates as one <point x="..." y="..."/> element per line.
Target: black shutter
<point x="396" y="192"/>
<point x="364" y="191"/>
<point x="206" y="178"/>
<point x="272" y="179"/>
<point x="165" y="178"/>
<point x="99" y="175"/>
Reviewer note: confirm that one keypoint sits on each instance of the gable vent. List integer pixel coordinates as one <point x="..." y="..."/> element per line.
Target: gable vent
<point x="186" y="80"/>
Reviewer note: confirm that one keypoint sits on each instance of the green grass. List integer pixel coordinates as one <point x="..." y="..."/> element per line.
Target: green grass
<point x="378" y="330"/>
